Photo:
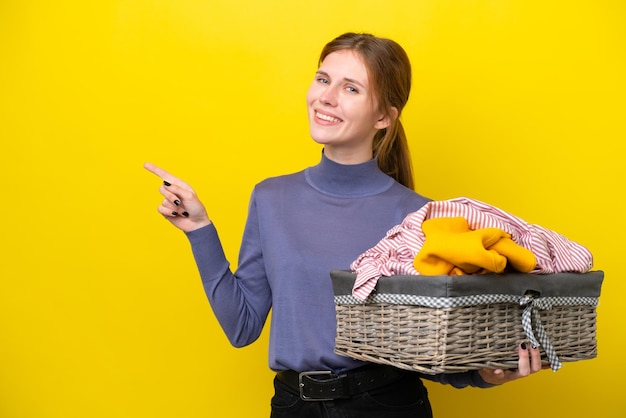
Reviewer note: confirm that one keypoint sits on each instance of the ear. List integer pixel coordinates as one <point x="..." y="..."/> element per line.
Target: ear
<point x="386" y="119"/>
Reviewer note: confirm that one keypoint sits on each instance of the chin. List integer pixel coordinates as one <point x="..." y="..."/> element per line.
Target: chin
<point x="320" y="139"/>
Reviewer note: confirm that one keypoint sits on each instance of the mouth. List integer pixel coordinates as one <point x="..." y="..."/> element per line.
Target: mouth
<point x="327" y="118"/>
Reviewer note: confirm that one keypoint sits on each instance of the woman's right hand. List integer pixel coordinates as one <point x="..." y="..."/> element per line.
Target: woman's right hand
<point x="180" y="205"/>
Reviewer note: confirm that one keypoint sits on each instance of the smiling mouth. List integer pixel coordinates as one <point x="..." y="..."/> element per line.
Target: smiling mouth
<point x="327" y="118"/>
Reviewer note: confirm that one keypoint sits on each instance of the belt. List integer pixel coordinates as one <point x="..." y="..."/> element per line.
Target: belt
<point x="326" y="386"/>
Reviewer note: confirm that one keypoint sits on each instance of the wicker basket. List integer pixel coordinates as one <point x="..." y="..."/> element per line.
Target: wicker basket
<point x="443" y="324"/>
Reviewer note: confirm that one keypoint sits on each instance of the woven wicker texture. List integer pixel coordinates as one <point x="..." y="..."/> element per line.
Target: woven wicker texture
<point x="450" y="340"/>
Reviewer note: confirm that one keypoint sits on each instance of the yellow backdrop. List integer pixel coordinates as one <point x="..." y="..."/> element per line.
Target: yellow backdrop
<point x="517" y="103"/>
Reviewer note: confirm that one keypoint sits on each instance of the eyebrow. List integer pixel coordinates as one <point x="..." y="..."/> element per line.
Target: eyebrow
<point x="349" y="80"/>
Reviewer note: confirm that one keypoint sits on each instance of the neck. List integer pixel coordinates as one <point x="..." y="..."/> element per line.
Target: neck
<point x="348" y="180"/>
<point x="348" y="156"/>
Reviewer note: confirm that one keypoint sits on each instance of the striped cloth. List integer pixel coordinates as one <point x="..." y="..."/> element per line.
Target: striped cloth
<point x="394" y="254"/>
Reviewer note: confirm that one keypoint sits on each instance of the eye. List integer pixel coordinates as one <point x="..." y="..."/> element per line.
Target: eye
<point x="322" y="80"/>
<point x="352" y="90"/>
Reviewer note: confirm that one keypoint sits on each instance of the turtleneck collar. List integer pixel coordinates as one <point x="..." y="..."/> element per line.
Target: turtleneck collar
<point x="339" y="180"/>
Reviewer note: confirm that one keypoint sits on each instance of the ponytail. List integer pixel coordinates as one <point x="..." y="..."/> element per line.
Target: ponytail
<point x="391" y="150"/>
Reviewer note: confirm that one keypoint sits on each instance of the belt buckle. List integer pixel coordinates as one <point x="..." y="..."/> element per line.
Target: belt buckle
<point x="301" y="384"/>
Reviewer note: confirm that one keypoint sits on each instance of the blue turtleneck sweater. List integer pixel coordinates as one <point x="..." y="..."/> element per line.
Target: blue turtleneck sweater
<point x="300" y="227"/>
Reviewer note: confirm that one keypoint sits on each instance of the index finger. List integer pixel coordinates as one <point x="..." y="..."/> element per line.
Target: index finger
<point x="164" y="175"/>
<point x="156" y="170"/>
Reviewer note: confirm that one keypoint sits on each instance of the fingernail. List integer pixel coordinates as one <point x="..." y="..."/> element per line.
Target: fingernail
<point x="177" y="202"/>
<point x="523" y="345"/>
<point x="185" y="214"/>
<point x="534" y="347"/>
<point x="175" y="213"/>
<point x="167" y="183"/>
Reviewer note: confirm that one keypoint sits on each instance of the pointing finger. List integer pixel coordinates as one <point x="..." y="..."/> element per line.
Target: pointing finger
<point x="168" y="179"/>
<point x="156" y="170"/>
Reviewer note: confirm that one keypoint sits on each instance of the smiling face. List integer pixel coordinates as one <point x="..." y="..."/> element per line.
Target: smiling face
<point x="343" y="114"/>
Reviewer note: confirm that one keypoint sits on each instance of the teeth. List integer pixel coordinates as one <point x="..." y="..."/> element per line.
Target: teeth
<point x="328" y="118"/>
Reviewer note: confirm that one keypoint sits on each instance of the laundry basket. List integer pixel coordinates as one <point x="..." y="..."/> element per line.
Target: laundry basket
<point x="449" y="324"/>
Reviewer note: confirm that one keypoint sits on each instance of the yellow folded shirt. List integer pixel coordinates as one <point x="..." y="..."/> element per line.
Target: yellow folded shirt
<point x="452" y="248"/>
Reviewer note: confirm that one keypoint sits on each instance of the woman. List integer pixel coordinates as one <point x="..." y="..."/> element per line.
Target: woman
<point x="303" y="225"/>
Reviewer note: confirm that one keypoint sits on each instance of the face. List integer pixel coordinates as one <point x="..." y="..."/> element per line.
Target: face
<point x="342" y="109"/>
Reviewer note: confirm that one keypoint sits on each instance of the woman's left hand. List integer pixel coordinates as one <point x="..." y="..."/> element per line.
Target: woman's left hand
<point x="529" y="363"/>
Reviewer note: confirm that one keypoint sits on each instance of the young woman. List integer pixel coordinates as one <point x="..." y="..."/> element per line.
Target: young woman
<point x="303" y="225"/>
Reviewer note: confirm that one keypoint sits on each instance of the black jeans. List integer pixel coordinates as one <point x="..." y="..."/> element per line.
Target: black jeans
<point x="403" y="398"/>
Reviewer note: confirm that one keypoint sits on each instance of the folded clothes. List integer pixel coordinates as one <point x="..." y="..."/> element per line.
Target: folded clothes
<point x="396" y="252"/>
<point x="452" y="248"/>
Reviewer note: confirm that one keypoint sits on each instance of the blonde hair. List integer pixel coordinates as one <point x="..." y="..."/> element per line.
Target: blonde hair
<point x="389" y="71"/>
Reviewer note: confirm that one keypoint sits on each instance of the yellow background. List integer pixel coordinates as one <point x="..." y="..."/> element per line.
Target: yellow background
<point x="517" y="103"/>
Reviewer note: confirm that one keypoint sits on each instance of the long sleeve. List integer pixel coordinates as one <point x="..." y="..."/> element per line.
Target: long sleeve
<point x="459" y="380"/>
<point x="240" y="302"/>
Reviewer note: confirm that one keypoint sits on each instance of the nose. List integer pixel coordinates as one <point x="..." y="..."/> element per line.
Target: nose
<point x="329" y="96"/>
